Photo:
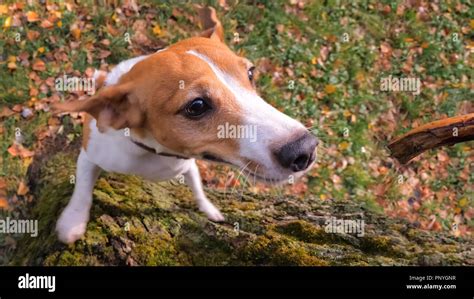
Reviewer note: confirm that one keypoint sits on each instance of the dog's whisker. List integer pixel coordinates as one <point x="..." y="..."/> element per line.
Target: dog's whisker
<point x="255" y="177"/>
<point x="240" y="173"/>
<point x="246" y="181"/>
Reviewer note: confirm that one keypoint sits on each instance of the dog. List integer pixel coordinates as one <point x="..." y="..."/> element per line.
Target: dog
<point x="157" y="113"/>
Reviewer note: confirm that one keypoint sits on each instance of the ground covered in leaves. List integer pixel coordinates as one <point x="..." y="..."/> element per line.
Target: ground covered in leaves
<point x="319" y="63"/>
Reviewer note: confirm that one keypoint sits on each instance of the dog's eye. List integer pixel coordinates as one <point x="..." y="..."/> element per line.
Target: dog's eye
<point x="250" y="73"/>
<point x="196" y="108"/>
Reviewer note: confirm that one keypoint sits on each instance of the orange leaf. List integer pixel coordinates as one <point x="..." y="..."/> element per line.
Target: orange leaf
<point x="3" y="184"/>
<point x="3" y="9"/>
<point x="46" y="24"/>
<point x="76" y="33"/>
<point x="32" y="16"/>
<point x="330" y="89"/>
<point x="18" y="150"/>
<point x="4" y="204"/>
<point x="39" y="65"/>
<point x="12" y="66"/>
<point x="344" y="145"/>
<point x="157" y="30"/>
<point x="32" y="35"/>
<point x="22" y="189"/>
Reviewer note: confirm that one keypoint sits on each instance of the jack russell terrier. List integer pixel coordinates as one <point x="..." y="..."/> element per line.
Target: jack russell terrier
<point x="157" y="113"/>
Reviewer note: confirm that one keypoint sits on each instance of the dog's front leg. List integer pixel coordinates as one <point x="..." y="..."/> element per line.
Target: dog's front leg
<point x="193" y="180"/>
<point x="73" y="221"/>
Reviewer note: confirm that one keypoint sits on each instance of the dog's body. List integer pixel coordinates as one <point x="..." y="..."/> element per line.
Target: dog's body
<point x="144" y="123"/>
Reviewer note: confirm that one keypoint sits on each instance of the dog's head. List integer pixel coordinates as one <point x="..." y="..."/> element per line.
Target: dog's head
<point x="197" y="99"/>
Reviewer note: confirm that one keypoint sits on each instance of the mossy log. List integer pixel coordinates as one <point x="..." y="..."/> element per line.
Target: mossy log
<point x="137" y="222"/>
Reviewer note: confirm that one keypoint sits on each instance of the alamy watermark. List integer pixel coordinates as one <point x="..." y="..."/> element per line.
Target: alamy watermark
<point x="405" y="84"/>
<point x="73" y="84"/>
<point x="229" y="131"/>
<point x="28" y="281"/>
<point x="345" y="226"/>
<point x="19" y="226"/>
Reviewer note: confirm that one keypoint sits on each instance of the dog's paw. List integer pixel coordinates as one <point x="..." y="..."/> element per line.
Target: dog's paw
<point x="71" y="225"/>
<point x="211" y="212"/>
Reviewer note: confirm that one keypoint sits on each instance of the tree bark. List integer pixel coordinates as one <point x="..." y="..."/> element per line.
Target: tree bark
<point x="442" y="132"/>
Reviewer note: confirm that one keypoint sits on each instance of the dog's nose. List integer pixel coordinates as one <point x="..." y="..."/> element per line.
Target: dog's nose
<point x="298" y="154"/>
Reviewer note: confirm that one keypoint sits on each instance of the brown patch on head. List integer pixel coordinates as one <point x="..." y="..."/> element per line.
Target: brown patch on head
<point x="173" y="78"/>
<point x="151" y="96"/>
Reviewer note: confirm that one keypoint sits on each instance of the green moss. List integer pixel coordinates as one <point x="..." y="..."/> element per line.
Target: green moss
<point x="68" y="258"/>
<point x="305" y="232"/>
<point x="278" y="251"/>
<point x="380" y="245"/>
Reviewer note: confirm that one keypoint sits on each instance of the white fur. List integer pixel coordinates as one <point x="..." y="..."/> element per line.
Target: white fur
<point x="114" y="151"/>
<point x="122" y="68"/>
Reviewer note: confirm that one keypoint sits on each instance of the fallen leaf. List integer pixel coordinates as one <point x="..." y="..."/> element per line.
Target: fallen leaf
<point x="4" y="204"/>
<point x="386" y="48"/>
<point x="46" y="24"/>
<point x="22" y="189"/>
<point x="463" y="202"/>
<point x="6" y="112"/>
<point x="344" y="145"/>
<point x="76" y="33"/>
<point x="32" y="16"/>
<point x="329" y="89"/>
<point x="3" y="9"/>
<point x="157" y="30"/>
<point x="12" y="65"/>
<point x="17" y="150"/>
<point x="32" y="35"/>
<point x="39" y="65"/>
<point x="7" y="23"/>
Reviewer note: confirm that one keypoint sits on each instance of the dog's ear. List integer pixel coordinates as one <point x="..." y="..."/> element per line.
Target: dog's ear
<point x="113" y="106"/>
<point x="210" y="23"/>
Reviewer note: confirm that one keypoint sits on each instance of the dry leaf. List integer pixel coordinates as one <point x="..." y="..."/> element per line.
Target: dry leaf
<point x="7" y="23"/>
<point x="6" y="112"/>
<point x="32" y="16"/>
<point x="22" y="189"/>
<point x="17" y="150"/>
<point x="3" y="9"/>
<point x="4" y="204"/>
<point x="39" y="65"/>
<point x="330" y="89"/>
<point x="385" y="48"/>
<point x="46" y="24"/>
<point x="76" y="33"/>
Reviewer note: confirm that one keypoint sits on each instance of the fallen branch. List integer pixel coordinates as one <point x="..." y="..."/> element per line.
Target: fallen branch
<point x="442" y="132"/>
